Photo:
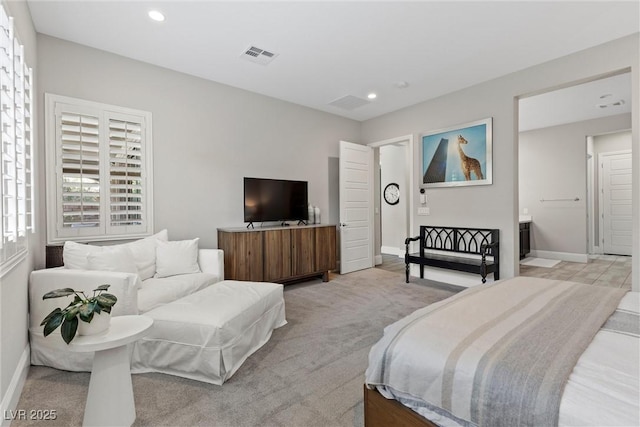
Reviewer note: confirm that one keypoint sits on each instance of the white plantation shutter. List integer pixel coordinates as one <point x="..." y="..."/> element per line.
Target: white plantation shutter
<point x="79" y="171"/>
<point x="102" y="166"/>
<point x="16" y="162"/>
<point x="126" y="173"/>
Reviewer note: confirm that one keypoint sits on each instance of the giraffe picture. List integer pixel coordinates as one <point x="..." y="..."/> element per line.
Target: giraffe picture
<point x="457" y="156"/>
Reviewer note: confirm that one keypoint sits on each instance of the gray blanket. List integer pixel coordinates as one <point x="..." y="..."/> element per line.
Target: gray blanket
<point x="495" y="355"/>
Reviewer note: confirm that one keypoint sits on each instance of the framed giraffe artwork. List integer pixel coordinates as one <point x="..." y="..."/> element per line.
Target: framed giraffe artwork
<point x="457" y="156"/>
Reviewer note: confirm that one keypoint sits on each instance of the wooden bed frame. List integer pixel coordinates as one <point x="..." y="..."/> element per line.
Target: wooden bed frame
<point x="382" y="412"/>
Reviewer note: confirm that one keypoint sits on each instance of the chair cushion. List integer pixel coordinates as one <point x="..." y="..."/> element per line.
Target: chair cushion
<point x="75" y="255"/>
<point x="112" y="259"/>
<point x="206" y="336"/>
<point x="179" y="257"/>
<point x="156" y="292"/>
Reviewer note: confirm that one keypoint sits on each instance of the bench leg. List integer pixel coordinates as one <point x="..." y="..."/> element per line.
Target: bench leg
<point x="406" y="271"/>
<point x="421" y="271"/>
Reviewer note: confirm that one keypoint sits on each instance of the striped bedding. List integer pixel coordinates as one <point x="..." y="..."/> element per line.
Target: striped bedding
<point x="495" y="355"/>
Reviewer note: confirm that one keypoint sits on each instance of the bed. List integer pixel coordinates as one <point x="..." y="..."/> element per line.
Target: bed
<point x="523" y="351"/>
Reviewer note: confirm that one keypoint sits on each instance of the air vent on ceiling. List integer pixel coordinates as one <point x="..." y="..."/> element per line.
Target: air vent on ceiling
<point x="349" y="102"/>
<point x="259" y="56"/>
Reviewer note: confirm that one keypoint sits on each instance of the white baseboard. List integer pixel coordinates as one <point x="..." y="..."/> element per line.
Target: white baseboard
<point x="562" y="256"/>
<point x="390" y="250"/>
<point x="12" y="396"/>
<point x="377" y="260"/>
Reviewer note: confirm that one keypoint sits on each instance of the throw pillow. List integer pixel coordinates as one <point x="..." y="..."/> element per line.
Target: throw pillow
<point x="179" y="257"/>
<point x="144" y="253"/>
<point x="74" y="255"/>
<point x="113" y="259"/>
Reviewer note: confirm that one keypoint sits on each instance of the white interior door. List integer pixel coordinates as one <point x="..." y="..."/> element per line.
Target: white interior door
<point x="616" y="203"/>
<point x="356" y="207"/>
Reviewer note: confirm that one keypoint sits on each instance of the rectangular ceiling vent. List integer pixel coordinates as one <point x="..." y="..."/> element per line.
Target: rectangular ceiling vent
<point x="349" y="102"/>
<point x="259" y="56"/>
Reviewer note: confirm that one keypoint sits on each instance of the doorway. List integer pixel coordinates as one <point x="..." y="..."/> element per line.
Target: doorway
<point x="615" y="202"/>
<point x="393" y="219"/>
<point x="558" y="164"/>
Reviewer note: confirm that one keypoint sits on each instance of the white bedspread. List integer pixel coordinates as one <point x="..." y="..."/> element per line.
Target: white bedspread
<point x="603" y="388"/>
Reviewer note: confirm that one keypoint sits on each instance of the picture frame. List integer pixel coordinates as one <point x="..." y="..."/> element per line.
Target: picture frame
<point x="457" y="156"/>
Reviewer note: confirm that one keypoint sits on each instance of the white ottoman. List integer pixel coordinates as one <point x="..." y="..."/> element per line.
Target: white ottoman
<point x="207" y="335"/>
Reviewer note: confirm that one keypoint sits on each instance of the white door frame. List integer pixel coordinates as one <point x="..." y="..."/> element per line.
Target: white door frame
<point x="410" y="179"/>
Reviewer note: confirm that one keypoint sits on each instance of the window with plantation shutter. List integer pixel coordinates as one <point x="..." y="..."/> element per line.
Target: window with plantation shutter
<point x="80" y="169"/>
<point x="99" y="176"/>
<point x="16" y="161"/>
<point x="126" y="179"/>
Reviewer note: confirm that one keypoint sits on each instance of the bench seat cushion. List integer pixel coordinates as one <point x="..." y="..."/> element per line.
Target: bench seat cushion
<point x="207" y="335"/>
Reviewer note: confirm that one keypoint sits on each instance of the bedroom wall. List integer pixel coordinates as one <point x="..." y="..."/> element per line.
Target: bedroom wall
<point x="496" y="205"/>
<point x="207" y="136"/>
<point x="14" y="344"/>
<point x="553" y="165"/>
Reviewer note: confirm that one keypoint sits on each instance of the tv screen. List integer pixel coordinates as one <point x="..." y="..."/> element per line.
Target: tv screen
<point x="275" y="200"/>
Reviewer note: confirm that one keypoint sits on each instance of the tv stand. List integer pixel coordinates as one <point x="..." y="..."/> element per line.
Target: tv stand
<point x="278" y="254"/>
<point x="250" y="225"/>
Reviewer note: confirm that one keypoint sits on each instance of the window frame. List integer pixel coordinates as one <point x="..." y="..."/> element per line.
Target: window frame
<point x="56" y="232"/>
<point x="17" y="213"/>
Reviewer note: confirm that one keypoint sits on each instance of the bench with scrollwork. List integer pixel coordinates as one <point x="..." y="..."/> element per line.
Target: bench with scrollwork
<point x="472" y="250"/>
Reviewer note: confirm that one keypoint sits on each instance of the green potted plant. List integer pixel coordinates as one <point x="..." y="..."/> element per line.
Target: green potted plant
<point x="82" y="307"/>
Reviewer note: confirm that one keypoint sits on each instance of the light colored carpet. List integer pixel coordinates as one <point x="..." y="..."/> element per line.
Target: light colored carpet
<point x="310" y="373"/>
<point x="540" y="262"/>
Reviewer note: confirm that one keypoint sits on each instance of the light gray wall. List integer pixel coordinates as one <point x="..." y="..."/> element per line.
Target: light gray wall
<point x="393" y="217"/>
<point x="206" y="136"/>
<point x="553" y="165"/>
<point x="496" y="205"/>
<point x="13" y="286"/>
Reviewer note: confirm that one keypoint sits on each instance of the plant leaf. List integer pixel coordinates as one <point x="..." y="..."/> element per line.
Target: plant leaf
<point x="87" y="317"/>
<point x="88" y="308"/>
<point x="65" y="292"/>
<point x="68" y="329"/>
<point x="53" y="322"/>
<point x="46" y="319"/>
<point x="102" y="288"/>
<point x="106" y="300"/>
<point x="71" y="312"/>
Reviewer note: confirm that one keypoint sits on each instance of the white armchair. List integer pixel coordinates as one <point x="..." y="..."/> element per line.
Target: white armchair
<point x="135" y="296"/>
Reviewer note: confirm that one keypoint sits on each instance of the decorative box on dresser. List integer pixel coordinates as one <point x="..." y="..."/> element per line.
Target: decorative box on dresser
<point x="278" y="254"/>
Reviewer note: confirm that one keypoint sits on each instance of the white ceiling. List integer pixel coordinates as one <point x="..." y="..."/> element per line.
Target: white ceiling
<point x="332" y="49"/>
<point x="599" y="98"/>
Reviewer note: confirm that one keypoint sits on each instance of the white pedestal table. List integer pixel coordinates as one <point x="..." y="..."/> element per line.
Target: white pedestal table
<point x="110" y="397"/>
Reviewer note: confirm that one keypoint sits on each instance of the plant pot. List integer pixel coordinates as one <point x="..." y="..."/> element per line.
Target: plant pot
<point x="98" y="324"/>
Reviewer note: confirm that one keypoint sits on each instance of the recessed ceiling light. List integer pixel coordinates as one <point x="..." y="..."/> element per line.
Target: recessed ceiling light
<point x="372" y="96"/>
<point x="401" y="84"/>
<point x="156" y="15"/>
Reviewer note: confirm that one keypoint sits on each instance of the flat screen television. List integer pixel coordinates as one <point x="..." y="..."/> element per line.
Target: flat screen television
<point x="275" y="200"/>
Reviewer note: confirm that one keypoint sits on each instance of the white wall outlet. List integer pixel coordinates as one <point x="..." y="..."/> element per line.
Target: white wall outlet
<point x="423" y="199"/>
<point x="424" y="211"/>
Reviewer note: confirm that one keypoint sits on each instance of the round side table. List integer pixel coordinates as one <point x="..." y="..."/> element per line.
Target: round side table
<point x="110" y="397"/>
